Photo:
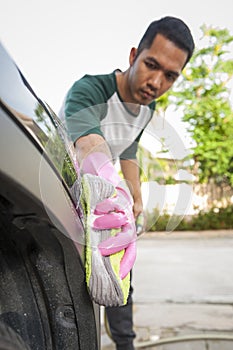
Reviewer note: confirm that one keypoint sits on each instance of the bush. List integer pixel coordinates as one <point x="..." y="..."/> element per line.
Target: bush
<point x="214" y="219"/>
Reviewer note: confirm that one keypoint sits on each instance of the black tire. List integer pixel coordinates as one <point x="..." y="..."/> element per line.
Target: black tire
<point x="10" y="340"/>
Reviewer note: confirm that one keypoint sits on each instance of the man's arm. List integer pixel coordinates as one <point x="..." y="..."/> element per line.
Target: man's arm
<point x="130" y="170"/>
<point x="94" y="143"/>
<point x="91" y="143"/>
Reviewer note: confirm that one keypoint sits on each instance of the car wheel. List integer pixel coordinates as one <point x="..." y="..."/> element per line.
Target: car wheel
<point x="43" y="294"/>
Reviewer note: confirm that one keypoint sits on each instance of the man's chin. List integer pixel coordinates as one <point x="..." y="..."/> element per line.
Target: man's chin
<point x="146" y="101"/>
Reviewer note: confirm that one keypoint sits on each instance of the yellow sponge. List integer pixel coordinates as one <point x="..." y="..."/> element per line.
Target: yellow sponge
<point x="102" y="273"/>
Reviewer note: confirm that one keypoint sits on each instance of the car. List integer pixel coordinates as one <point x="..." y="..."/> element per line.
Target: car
<point x="44" y="300"/>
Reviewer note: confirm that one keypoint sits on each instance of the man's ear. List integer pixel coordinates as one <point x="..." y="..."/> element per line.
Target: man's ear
<point x="133" y="55"/>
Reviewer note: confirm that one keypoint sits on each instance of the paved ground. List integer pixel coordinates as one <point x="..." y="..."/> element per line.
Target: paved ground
<point x="183" y="287"/>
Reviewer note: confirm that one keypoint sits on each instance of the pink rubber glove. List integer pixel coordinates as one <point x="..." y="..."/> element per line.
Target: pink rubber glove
<point x="109" y="221"/>
<point x="114" y="212"/>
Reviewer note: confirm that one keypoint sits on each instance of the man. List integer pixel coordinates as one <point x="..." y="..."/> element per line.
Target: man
<point x="106" y="115"/>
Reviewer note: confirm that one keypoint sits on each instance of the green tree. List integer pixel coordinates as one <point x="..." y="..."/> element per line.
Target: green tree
<point x="203" y="96"/>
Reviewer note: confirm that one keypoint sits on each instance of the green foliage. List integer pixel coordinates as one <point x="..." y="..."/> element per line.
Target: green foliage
<point x="203" y="95"/>
<point x="214" y="219"/>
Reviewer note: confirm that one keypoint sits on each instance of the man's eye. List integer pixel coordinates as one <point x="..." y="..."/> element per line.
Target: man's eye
<point x="170" y="77"/>
<point x="150" y="65"/>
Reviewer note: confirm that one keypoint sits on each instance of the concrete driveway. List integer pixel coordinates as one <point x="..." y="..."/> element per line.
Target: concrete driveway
<point x="183" y="286"/>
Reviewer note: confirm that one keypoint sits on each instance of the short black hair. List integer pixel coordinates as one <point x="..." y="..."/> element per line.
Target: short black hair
<point x="172" y="28"/>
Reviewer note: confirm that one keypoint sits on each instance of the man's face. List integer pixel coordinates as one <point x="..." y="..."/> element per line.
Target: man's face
<point x="154" y="70"/>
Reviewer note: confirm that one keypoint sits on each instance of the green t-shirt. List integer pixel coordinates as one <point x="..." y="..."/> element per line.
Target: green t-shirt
<point x="93" y="105"/>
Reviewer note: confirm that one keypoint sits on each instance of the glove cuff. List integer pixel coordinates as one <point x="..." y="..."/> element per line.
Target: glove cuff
<point x="98" y="163"/>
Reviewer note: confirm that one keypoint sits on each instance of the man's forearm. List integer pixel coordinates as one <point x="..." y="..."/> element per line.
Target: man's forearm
<point x="94" y="157"/>
<point x="91" y="143"/>
<point x="130" y="170"/>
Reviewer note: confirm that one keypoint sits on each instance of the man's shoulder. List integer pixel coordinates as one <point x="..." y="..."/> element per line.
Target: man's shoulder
<point x="97" y="89"/>
<point x="101" y="80"/>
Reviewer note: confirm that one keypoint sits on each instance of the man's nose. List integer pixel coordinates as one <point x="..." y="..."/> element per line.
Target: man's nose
<point x="156" y="80"/>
